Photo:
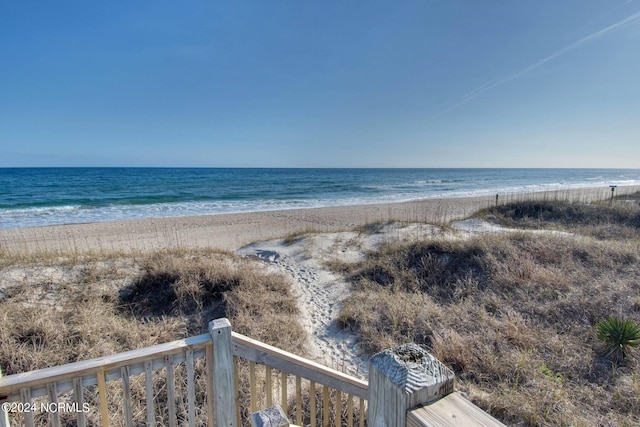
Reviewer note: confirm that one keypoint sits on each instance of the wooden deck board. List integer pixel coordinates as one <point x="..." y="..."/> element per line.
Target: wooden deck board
<point x="451" y="410"/>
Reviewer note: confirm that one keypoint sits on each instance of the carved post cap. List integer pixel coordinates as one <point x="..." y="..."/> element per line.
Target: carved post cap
<point x="273" y="416"/>
<point x="402" y="378"/>
<point x="218" y="325"/>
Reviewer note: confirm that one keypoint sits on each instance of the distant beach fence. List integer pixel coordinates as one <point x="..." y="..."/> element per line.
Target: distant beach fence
<point x="213" y="379"/>
<point x="232" y="232"/>
<point x="581" y="195"/>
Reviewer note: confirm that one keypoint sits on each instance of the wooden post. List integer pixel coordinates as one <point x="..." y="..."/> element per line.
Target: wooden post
<point x="4" y="415"/>
<point x="223" y="384"/>
<point x="4" y="418"/>
<point x="273" y="416"/>
<point x="402" y="378"/>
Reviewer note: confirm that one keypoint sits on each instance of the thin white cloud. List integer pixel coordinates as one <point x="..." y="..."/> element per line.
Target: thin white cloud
<point x="494" y="83"/>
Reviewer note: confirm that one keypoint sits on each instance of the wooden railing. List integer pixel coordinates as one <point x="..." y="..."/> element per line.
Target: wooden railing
<point x="174" y="386"/>
<point x="330" y="396"/>
<point x="65" y="388"/>
<point x="222" y="377"/>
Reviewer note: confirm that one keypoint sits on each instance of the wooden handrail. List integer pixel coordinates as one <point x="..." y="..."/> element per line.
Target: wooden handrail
<point x="243" y="346"/>
<point x="265" y="354"/>
<point x="13" y="383"/>
<point x="221" y="346"/>
<point x="56" y="380"/>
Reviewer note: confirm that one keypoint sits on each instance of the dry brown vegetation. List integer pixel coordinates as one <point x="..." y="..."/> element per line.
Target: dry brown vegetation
<point x="514" y="314"/>
<point x="56" y="310"/>
<point x="54" y="313"/>
<point x="617" y="219"/>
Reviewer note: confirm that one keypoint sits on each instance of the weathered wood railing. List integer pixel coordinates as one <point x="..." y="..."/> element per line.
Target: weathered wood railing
<point x="330" y="393"/>
<point x="175" y="383"/>
<point x="225" y="376"/>
<point x="86" y="377"/>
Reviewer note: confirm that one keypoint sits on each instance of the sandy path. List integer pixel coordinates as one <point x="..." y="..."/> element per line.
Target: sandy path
<point x="321" y="292"/>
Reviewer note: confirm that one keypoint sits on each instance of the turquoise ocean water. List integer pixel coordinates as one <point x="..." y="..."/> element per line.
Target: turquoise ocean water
<point x="47" y="196"/>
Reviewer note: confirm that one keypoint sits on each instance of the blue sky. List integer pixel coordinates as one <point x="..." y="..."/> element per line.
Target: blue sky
<point x="426" y="83"/>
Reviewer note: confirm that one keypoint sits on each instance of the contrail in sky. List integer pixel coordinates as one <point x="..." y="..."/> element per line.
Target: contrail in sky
<point x="588" y="24"/>
<point x="492" y="84"/>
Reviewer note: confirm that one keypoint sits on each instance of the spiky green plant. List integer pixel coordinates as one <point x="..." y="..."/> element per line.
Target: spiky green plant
<point x="618" y="336"/>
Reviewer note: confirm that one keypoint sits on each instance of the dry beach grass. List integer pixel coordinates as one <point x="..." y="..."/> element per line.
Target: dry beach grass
<point x="512" y="313"/>
<point x="55" y="310"/>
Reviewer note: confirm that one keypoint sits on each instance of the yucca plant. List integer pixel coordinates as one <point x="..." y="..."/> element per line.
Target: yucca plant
<point x="618" y="336"/>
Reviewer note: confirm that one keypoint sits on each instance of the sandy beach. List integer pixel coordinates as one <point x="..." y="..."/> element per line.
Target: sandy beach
<point x="233" y="231"/>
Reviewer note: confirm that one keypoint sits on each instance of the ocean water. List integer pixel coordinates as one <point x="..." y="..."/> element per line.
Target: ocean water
<point x="32" y="197"/>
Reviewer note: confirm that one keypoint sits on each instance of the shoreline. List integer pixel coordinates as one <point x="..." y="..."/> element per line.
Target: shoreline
<point x="233" y="231"/>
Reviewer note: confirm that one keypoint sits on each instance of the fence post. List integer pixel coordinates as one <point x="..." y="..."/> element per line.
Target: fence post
<point x="4" y="415"/>
<point x="223" y="380"/>
<point x="402" y="378"/>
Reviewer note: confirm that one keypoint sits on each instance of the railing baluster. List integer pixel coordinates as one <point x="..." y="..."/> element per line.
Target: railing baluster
<point x="78" y="398"/>
<point x="102" y="394"/>
<point x="312" y="397"/>
<point x="338" y="406"/>
<point x="126" y="395"/>
<point x="171" y="393"/>
<point x="210" y="399"/>
<point x="148" y="381"/>
<point x="361" y="414"/>
<point x="54" y="416"/>
<point x="4" y="414"/>
<point x="298" y="400"/>
<point x="284" y="396"/>
<point x="268" y="386"/>
<point x="350" y="410"/>
<point x="25" y="395"/>
<point x="191" y="389"/>
<point x="252" y="387"/>
<point x="325" y="406"/>
<point x="236" y="380"/>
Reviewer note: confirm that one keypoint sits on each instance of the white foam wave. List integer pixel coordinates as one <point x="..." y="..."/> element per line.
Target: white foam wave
<point x="42" y="216"/>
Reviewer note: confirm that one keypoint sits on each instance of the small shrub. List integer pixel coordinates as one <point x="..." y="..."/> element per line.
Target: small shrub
<point x="618" y="336"/>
